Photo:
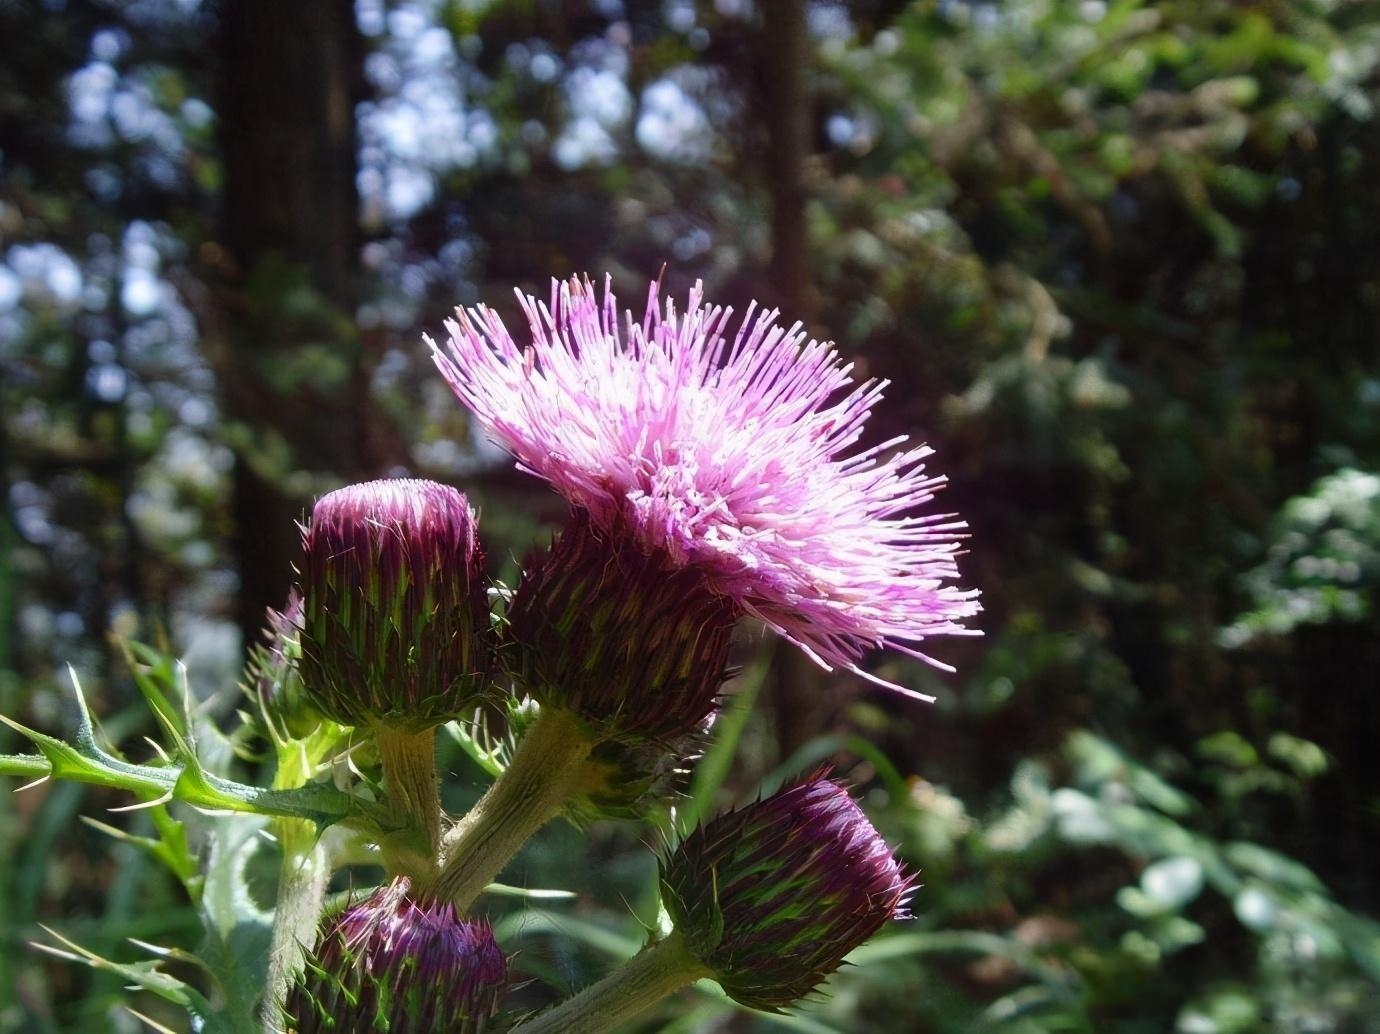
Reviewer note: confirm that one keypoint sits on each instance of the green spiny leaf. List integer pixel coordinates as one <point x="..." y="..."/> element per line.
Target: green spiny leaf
<point x="238" y="928"/>
<point x="156" y="678"/>
<point x="85" y="760"/>
<point x="148" y="976"/>
<point x="172" y="854"/>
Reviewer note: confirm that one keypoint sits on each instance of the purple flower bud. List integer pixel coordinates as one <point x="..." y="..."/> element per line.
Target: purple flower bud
<point x="395" y="623"/>
<point x="273" y="677"/>
<point x="774" y="895"/>
<point x="395" y="963"/>
<point x="632" y="643"/>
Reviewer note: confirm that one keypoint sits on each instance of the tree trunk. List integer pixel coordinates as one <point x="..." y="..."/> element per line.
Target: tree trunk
<point x="784" y="60"/>
<point x="292" y="376"/>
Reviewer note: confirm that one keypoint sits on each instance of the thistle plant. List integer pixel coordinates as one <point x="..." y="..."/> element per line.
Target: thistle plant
<point x="394" y="616"/>
<point x="395" y="631"/>
<point x="738" y="460"/>
<point x="569" y="626"/>
<point x="766" y="900"/>
<point x="713" y="472"/>
<point x="274" y="682"/>
<point x="398" y="963"/>
<point x="772" y="897"/>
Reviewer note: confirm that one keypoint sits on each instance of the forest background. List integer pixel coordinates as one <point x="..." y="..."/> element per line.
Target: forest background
<point x="1118" y="259"/>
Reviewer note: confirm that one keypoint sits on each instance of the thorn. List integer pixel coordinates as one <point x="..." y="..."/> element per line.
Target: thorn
<point x="152" y="949"/>
<point x="152" y="1023"/>
<point x="81" y="697"/>
<point x="351" y="766"/>
<point x="109" y="830"/>
<point x="58" y="953"/>
<point x="157" y="748"/>
<point x="37" y="782"/>
<point x="217" y="813"/>
<point x="163" y="799"/>
<point x="187" y="704"/>
<point x="81" y="954"/>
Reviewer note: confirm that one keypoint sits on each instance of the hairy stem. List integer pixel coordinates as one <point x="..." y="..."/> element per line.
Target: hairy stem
<point x="409" y="776"/>
<point x="302" y="881"/>
<point x="647" y="978"/>
<point x="549" y="767"/>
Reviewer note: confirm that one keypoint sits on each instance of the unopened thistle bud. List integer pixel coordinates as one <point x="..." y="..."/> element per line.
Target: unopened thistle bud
<point x="772" y="897"/>
<point x="402" y="965"/>
<point x="395" y="626"/>
<point x="274" y="682"/>
<point x="631" y="643"/>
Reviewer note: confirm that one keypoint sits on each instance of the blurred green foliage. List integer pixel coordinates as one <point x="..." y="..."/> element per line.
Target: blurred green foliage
<point x="1321" y="563"/>
<point x="1118" y="261"/>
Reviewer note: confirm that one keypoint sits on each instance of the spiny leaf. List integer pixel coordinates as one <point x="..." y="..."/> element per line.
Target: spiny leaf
<point x="170" y="848"/>
<point x="238" y="928"/>
<point x="85" y="760"/>
<point x="156" y="678"/>
<point x="321" y="804"/>
<point x="148" y="976"/>
<point x="89" y="764"/>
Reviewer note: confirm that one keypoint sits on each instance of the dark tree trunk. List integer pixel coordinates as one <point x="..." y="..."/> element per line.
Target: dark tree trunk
<point x="783" y="62"/>
<point x="290" y="76"/>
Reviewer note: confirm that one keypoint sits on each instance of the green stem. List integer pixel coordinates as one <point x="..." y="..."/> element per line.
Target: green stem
<point x="549" y="767"/>
<point x="647" y="978"/>
<point x="409" y="776"/>
<point x="302" y="881"/>
<point x="26" y="766"/>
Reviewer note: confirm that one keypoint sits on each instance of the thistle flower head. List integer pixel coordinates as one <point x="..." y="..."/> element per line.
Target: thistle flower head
<point x="739" y="460"/>
<point x="395" y="620"/>
<point x="395" y="963"/>
<point x="634" y="644"/>
<point x="772" y="897"/>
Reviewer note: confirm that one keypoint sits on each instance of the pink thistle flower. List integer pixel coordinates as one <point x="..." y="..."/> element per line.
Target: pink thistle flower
<point x="738" y="459"/>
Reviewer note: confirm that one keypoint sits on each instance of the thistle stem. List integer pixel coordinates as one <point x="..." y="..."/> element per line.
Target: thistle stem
<point x="303" y="876"/>
<point x="409" y="776"/>
<point x="647" y="978"/>
<point x="549" y="767"/>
